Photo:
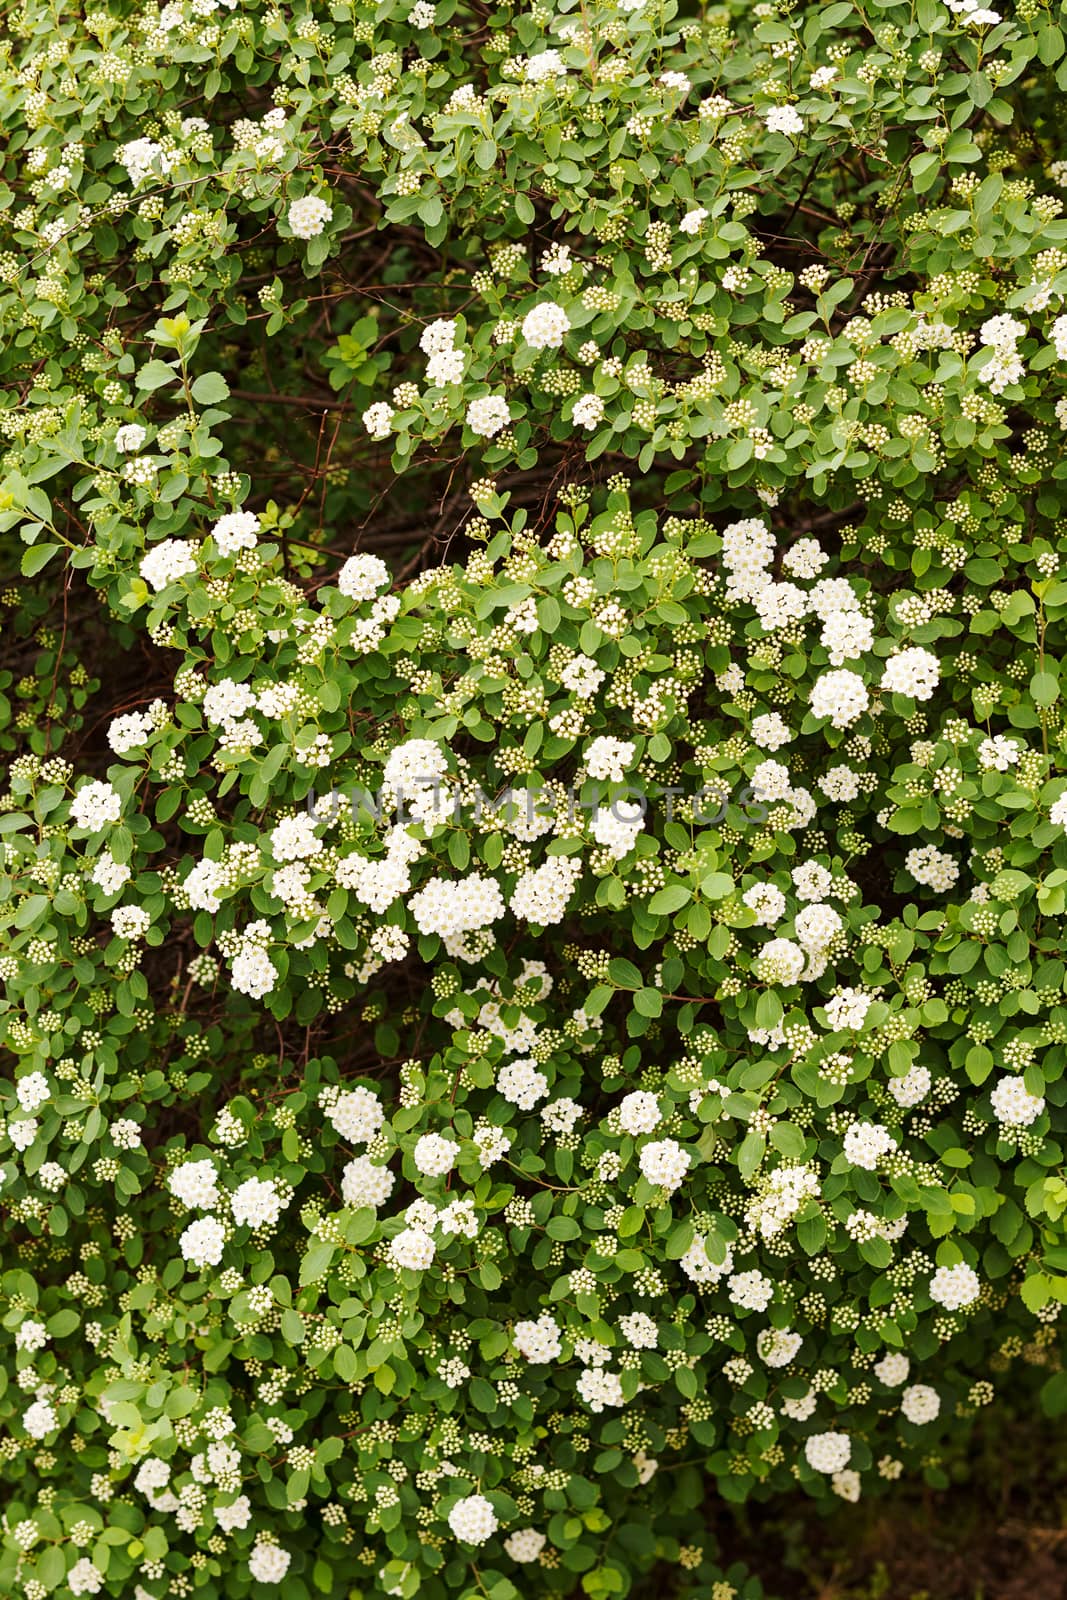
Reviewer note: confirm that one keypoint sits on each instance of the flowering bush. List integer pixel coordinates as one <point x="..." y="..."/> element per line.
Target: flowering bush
<point x="533" y="989"/>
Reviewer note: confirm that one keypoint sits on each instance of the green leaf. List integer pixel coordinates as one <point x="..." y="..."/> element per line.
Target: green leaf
<point x="648" y="1002"/>
<point x="624" y="974"/>
<point x="36" y="557"/>
<point x="1044" y="688"/>
<point x="155" y="375"/>
<point x="210" y="388"/>
<point x="672" y="898"/>
<point x="316" y="1262"/>
<point x="292" y="1326"/>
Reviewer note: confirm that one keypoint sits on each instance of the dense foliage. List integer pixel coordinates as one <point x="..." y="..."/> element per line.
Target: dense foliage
<point x="532" y="863"/>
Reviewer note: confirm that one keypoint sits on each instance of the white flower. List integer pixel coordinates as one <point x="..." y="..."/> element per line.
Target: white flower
<point x="607" y="758"/>
<point x="828" y="1452"/>
<point x="955" y="1287"/>
<point x="108" y="874"/>
<point x="257" y="1203"/>
<point x="920" y="1403"/>
<point x="600" y="1388"/>
<point x="252" y="972"/>
<point x="539" y="1341"/>
<point x="840" y="695"/>
<point x="473" y="1519"/>
<point x="378" y="418"/>
<point x="95" y="805"/>
<point x="780" y="961"/>
<point x="542" y="896"/>
<point x="998" y="753"/>
<point x="194" y="1183"/>
<point x="544" y="326"/>
<point x="295" y="839"/>
<point x="588" y="411"/>
<point x="912" y="1088"/>
<point x="130" y="732"/>
<point x="525" y="1544"/>
<point x="357" y="1115"/>
<point x="488" y="415"/>
<point x="664" y="1163"/>
<point x="692" y="221"/>
<point x="227" y="700"/>
<point x="362" y="576"/>
<point x="130" y="437"/>
<point x="454" y="906"/>
<point x="750" y="1290"/>
<point x="698" y="1265"/>
<point x="168" y="561"/>
<point x="202" y="1242"/>
<point x="412" y="1249"/>
<point x="639" y="1112"/>
<point x="616" y="827"/>
<point x="549" y="64"/>
<point x="1002" y="332"/>
<point x="522" y="1084"/>
<point x="816" y="925"/>
<point x="268" y="1563"/>
<point x="438" y="336"/>
<point x="783" y="119"/>
<point x="930" y="866"/>
<point x="639" y="1331"/>
<point x="85" y="1578"/>
<point x="583" y="677"/>
<point x="40" y="1419"/>
<point x="892" y="1369"/>
<point x="237" y="1515"/>
<point x="913" y="672"/>
<point x="434" y="1154"/>
<point x="866" y="1144"/>
<point x="130" y="922"/>
<point x="776" y="1347"/>
<point x="1013" y="1105"/>
<point x="138" y="157"/>
<point x="766" y="902"/>
<point x="31" y="1335"/>
<point x="446" y="366"/>
<point x="846" y="635"/>
<point x="770" y="732"/>
<point x="308" y="216"/>
<point x="364" y="1183"/>
<point x="32" y="1091"/>
<point x="237" y="530"/>
<point x="152" y="1475"/>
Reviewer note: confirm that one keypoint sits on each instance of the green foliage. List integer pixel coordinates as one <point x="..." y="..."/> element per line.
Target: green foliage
<point x="520" y="1019"/>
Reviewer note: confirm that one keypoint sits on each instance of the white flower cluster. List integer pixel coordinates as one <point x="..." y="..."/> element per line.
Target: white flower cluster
<point x="955" y="1287"/>
<point x="1013" y="1105"/>
<point x="170" y="560"/>
<point x="473" y="1519"/>
<point x="309" y="215"/>
<point x="1001" y="334"/>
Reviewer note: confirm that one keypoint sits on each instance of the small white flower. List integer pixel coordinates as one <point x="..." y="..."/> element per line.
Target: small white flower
<point x="783" y="119"/>
<point x="543" y="328"/>
<point x="130" y="437"/>
<point x="308" y="216"/>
